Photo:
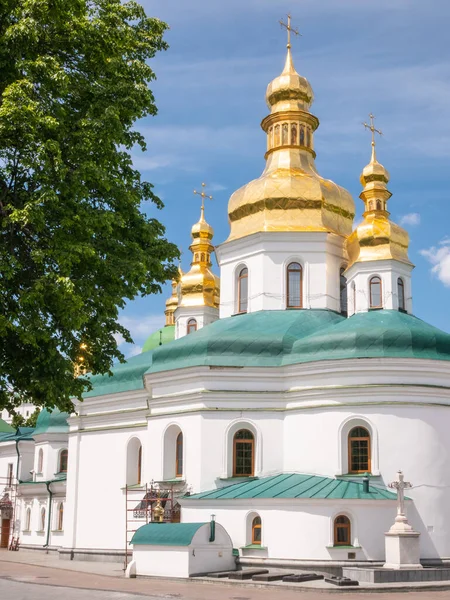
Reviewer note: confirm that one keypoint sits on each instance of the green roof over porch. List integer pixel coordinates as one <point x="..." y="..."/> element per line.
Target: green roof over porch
<point x="165" y="534"/>
<point x="297" y="485"/>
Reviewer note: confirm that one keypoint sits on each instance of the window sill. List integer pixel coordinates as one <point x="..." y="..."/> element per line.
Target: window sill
<point x="253" y="547"/>
<point x="375" y="308"/>
<point x="358" y="475"/>
<point x="175" y="480"/>
<point x="40" y="531"/>
<point x="26" y="530"/>
<point x="57" y="531"/>
<point x="239" y="478"/>
<point x="338" y="547"/>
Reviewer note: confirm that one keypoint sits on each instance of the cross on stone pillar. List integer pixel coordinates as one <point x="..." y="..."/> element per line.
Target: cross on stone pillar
<point x="400" y="485"/>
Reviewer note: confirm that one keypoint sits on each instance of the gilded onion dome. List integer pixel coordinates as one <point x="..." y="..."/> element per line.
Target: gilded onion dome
<point x="290" y="195"/>
<point x="171" y="304"/>
<point x="377" y="237"/>
<point x="199" y="286"/>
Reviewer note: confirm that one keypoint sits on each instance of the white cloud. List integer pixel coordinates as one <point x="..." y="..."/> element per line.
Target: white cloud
<point x="439" y="257"/>
<point x="410" y="219"/>
<point x="133" y="351"/>
<point x="141" y="327"/>
<point x="119" y="338"/>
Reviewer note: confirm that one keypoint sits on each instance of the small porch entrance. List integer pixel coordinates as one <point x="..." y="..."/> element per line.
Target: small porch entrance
<point x="5" y="531"/>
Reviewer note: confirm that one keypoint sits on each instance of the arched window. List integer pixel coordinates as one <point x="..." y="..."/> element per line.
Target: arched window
<point x="284" y="133"/>
<point x="139" y="466"/>
<point x="379" y="205"/>
<point x="60" y="516"/>
<point x="293" y="134"/>
<point x="343" y="291"/>
<point x="302" y="135"/>
<point x="179" y="456"/>
<point x="191" y="326"/>
<point x="270" y="137"/>
<point x="342" y="531"/>
<point x="359" y="450"/>
<point x="40" y="461"/>
<point x="375" y="292"/>
<point x="42" y="519"/>
<point x="242" y="289"/>
<point x="243" y="453"/>
<point x="28" y="520"/>
<point x="256" y="531"/>
<point x="134" y="462"/>
<point x="277" y="135"/>
<point x="294" y="281"/>
<point x="308" y="137"/>
<point x="401" y="294"/>
<point x="63" y="457"/>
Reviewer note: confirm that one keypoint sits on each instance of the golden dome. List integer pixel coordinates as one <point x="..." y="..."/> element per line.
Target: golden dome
<point x="289" y="91"/>
<point x="290" y="195"/>
<point x="377" y="237"/>
<point x="199" y="286"/>
<point x="171" y="304"/>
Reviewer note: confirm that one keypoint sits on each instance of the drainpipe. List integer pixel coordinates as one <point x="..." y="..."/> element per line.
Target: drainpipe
<point x="366" y="488"/>
<point x="50" y="497"/>
<point x="18" y="461"/>
<point x="212" y="529"/>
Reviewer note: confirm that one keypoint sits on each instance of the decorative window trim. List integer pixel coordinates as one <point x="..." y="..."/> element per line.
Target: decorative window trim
<point x="239" y="297"/>
<point x="191" y="326"/>
<point x="60" y="459"/>
<point x="288" y="270"/>
<point x="371" y="281"/>
<point x="256" y="527"/>
<point x="179" y="444"/>
<point x="346" y="426"/>
<point x="233" y="427"/>
<point x="346" y="525"/>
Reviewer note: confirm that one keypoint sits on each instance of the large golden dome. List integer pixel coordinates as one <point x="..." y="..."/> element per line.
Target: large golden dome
<point x="290" y="195"/>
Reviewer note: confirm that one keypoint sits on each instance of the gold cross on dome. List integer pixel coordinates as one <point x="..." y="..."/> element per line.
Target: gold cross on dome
<point x="203" y="195"/>
<point x="289" y="29"/>
<point x="372" y="128"/>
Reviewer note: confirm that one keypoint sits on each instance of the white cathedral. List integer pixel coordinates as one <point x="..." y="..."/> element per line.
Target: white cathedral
<point x="281" y="398"/>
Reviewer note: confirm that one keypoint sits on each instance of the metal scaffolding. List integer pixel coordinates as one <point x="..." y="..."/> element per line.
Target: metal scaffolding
<point x="140" y="501"/>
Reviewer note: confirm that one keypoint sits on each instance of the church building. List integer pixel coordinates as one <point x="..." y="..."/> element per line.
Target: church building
<point x="281" y="397"/>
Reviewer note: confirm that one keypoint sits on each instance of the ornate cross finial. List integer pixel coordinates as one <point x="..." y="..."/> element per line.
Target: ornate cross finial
<point x="372" y="128"/>
<point x="203" y="195"/>
<point x="289" y="29"/>
<point x="400" y="485"/>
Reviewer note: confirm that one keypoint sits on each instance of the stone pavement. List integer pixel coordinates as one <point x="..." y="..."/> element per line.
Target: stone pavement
<point x="35" y="576"/>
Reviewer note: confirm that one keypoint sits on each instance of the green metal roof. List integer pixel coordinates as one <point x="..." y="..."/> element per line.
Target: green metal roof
<point x="51" y="422"/>
<point x="282" y="337"/>
<point x="125" y="377"/>
<point x="160" y="337"/>
<point x="21" y="434"/>
<point x="165" y="534"/>
<point x="5" y="428"/>
<point x="274" y="338"/>
<point x="296" y="485"/>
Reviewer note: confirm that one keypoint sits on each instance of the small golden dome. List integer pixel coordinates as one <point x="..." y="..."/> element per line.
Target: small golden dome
<point x="200" y="286"/>
<point x="289" y="91"/>
<point x="290" y="195"/>
<point x="377" y="237"/>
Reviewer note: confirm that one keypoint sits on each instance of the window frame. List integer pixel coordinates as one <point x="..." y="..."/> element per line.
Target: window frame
<point x="346" y="526"/>
<point x="372" y="280"/>
<point x="191" y="326"/>
<point x="290" y="270"/>
<point x="179" y="449"/>
<point x="343" y="291"/>
<point x="10" y="476"/>
<point x="240" y="277"/>
<point x="28" y="519"/>
<point x="401" y="285"/>
<point x="60" y="524"/>
<point x="139" y="466"/>
<point x="43" y="517"/>
<point x="236" y="442"/>
<point x="64" y="452"/>
<point x="369" y="450"/>
<point x="40" y="464"/>
<point x="256" y="526"/>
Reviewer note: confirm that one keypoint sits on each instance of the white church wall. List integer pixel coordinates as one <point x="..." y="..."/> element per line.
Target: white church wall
<point x="162" y="561"/>
<point x="266" y="256"/>
<point x="204" y="315"/>
<point x="301" y="530"/>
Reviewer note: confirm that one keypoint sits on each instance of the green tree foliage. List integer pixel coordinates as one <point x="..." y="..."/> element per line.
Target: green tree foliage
<point x="19" y="420"/>
<point x="74" y="245"/>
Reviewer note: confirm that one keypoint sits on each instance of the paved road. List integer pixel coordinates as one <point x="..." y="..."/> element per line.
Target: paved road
<point x="31" y="582"/>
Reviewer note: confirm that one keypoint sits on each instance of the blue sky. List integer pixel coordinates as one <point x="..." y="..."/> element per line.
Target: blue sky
<point x="389" y="57"/>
